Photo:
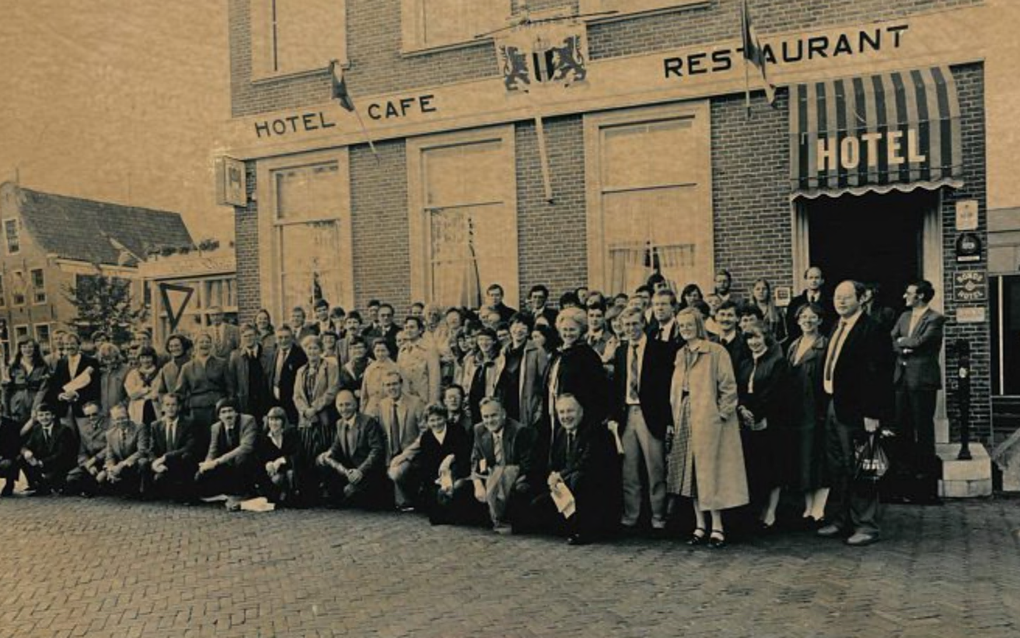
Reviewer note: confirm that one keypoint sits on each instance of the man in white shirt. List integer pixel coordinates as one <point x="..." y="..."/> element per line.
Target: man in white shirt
<point x="814" y="292"/>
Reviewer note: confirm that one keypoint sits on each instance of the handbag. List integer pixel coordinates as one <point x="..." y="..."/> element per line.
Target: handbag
<point x="872" y="461"/>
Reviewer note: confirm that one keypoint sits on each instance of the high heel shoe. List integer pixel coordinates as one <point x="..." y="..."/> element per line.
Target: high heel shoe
<point x="717" y="540"/>
<point x="697" y="537"/>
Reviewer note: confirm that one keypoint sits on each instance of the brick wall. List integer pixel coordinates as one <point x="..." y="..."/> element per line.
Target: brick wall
<point x="246" y="246"/>
<point x="971" y="86"/>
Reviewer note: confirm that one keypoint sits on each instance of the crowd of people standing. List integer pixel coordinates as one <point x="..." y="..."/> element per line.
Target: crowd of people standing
<point x="607" y="415"/>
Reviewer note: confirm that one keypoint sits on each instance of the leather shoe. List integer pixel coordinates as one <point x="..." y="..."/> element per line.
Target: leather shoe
<point x="577" y="539"/>
<point x="860" y="539"/>
<point x="829" y="531"/>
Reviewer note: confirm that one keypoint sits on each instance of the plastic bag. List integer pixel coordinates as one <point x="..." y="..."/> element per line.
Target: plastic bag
<point x="872" y="461"/>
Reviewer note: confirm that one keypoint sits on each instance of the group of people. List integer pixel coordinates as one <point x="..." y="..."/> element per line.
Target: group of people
<point x="601" y="417"/>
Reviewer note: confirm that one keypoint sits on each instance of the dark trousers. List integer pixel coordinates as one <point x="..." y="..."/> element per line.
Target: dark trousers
<point x="132" y="481"/>
<point x="857" y="508"/>
<point x="81" y="481"/>
<point x="373" y="492"/>
<point x="235" y="479"/>
<point x="915" y="419"/>
<point x="278" y="488"/>
<point x="177" y="483"/>
<point x="9" y="469"/>
<point x="44" y="479"/>
<point x="458" y="507"/>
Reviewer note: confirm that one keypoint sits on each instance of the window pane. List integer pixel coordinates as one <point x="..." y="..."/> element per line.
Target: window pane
<point x="11" y="232"/>
<point x="309" y="192"/>
<point x="465" y="239"/>
<point x="309" y="34"/>
<point x="446" y="170"/>
<point x="648" y="154"/>
<point x="447" y="21"/>
<point x="310" y="263"/>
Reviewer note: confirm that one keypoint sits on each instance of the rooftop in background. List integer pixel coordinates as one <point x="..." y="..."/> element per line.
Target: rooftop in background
<point x="95" y="232"/>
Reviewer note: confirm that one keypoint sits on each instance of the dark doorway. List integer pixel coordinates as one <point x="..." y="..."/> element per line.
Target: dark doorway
<point x="870" y="238"/>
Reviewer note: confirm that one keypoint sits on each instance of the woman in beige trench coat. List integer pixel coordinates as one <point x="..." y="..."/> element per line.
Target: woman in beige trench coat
<point x="706" y="461"/>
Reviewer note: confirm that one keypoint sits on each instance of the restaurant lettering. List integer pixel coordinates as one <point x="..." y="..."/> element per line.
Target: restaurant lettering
<point x="897" y="147"/>
<point x="791" y="50"/>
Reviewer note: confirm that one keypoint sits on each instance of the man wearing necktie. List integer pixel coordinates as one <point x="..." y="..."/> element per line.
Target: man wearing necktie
<point x="126" y="460"/>
<point x="917" y="339"/>
<point x="174" y="452"/>
<point x="857" y="376"/>
<point x="48" y="453"/>
<point x="228" y="467"/>
<point x="814" y="292"/>
<point x="353" y="468"/>
<point x="401" y="416"/>
<point x="226" y="337"/>
<point x="247" y="374"/>
<point x="501" y="462"/>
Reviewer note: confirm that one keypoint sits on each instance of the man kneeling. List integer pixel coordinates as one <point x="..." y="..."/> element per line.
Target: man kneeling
<point x="175" y="452"/>
<point x="353" y="469"/>
<point x="577" y="497"/>
<point x="126" y="460"/>
<point x="500" y="464"/>
<point x="229" y="466"/>
<point x="436" y="468"/>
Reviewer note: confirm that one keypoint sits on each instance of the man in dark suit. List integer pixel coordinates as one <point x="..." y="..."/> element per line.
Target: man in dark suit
<point x="640" y="414"/>
<point x="386" y="329"/>
<point x="175" y="452"/>
<point x="578" y="467"/>
<point x="814" y="292"/>
<point x="917" y="340"/>
<point x="663" y="326"/>
<point x="48" y="453"/>
<point x="857" y="376"/>
<point x="229" y="465"/>
<point x="247" y="374"/>
<point x="538" y="297"/>
<point x="501" y="464"/>
<point x="91" y="452"/>
<point x="494" y="296"/>
<point x="300" y="328"/>
<point x="226" y="337"/>
<point x="75" y="381"/>
<point x="354" y="468"/>
<point x="282" y="373"/>
<point x="730" y="335"/>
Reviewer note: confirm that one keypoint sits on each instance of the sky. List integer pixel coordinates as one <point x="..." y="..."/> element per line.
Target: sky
<point x="117" y="100"/>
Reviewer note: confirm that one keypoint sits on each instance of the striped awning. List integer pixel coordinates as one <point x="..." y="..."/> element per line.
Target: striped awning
<point x="895" y="131"/>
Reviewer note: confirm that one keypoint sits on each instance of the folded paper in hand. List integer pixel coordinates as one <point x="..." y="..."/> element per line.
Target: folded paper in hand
<point x="615" y="429"/>
<point x="445" y="480"/>
<point x="564" y="499"/>
<point x="79" y="382"/>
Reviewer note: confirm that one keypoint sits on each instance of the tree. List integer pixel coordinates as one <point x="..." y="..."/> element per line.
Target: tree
<point x="104" y="303"/>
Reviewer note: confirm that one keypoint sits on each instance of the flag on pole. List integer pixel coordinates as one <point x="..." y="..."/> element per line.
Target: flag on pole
<point x="343" y="98"/>
<point x="471" y="284"/>
<point x="754" y="54"/>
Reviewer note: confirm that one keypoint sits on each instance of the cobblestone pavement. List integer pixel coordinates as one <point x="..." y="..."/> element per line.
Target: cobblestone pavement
<point x="109" y="568"/>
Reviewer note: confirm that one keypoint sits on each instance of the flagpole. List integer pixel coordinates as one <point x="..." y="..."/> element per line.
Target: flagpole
<point x="368" y="137"/>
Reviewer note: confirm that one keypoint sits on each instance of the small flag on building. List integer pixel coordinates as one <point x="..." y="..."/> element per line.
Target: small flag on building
<point x="754" y="54"/>
<point x="339" y="91"/>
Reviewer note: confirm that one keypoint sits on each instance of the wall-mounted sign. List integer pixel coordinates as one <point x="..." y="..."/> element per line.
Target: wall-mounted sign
<point x="970" y="315"/>
<point x="970" y="286"/>
<point x="542" y="54"/>
<point x="230" y="182"/>
<point x="782" y="296"/>
<point x="967" y="214"/>
<point x="968" y="248"/>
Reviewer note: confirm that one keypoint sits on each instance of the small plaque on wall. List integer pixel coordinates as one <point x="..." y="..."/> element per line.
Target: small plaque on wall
<point x="970" y="315"/>
<point x="968" y="248"/>
<point x="967" y="214"/>
<point x="782" y="296"/>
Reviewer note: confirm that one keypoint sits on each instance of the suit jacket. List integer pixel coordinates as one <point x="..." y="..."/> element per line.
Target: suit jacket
<point x="241" y="448"/>
<point x="585" y="465"/>
<point x="518" y="449"/>
<point x="410" y="416"/>
<point x="828" y="318"/>
<point x="739" y="352"/>
<point x="770" y="399"/>
<point x="505" y="311"/>
<point x="285" y="384"/>
<point x="427" y="453"/>
<point x="10" y="439"/>
<point x="62" y="376"/>
<point x="59" y="453"/>
<point x="185" y="445"/>
<point x="92" y="440"/>
<point x="230" y="341"/>
<point x="548" y="314"/>
<point x="251" y="400"/>
<point x="530" y="383"/>
<point x="369" y="454"/>
<point x="918" y="368"/>
<point x="673" y="339"/>
<point x="578" y="371"/>
<point x="653" y="386"/>
<point x="202" y="385"/>
<point x="129" y="445"/>
<point x="327" y="385"/>
<point x="862" y="376"/>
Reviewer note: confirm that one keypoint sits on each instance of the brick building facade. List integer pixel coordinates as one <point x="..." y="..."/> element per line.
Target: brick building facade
<point x="657" y="136"/>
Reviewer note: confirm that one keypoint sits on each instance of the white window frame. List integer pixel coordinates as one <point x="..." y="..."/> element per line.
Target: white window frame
<point x="14" y="294"/>
<point x="40" y="290"/>
<point x="49" y="342"/>
<point x="630" y="8"/>
<point x="26" y="335"/>
<point x="420" y="244"/>
<point x="412" y="27"/>
<point x="7" y="235"/>
<point x="264" y="47"/>
<point x="270" y="224"/>
<point x="700" y="114"/>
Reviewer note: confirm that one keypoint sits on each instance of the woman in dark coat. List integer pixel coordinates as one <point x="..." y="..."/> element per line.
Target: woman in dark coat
<point x="762" y="386"/>
<point x="277" y="449"/>
<point x="575" y="368"/>
<point x="24" y="388"/>
<point x="805" y="437"/>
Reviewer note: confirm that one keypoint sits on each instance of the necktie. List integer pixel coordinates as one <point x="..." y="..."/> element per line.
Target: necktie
<point x="170" y="436"/>
<point x="394" y="429"/>
<point x="497" y="447"/>
<point x="351" y="439"/>
<point x="570" y="448"/>
<point x="830" y="360"/>
<point x="632" y="377"/>
<point x="47" y="434"/>
<point x="662" y="334"/>
<point x="228" y="433"/>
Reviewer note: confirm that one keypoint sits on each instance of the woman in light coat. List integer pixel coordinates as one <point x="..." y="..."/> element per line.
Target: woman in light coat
<point x="140" y="385"/>
<point x="706" y="462"/>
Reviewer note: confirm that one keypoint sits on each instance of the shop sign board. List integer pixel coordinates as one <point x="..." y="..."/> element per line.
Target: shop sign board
<point x="970" y="286"/>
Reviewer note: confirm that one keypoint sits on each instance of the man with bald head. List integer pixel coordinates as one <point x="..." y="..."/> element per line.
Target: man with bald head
<point x="857" y="377"/>
<point x="354" y="467"/>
